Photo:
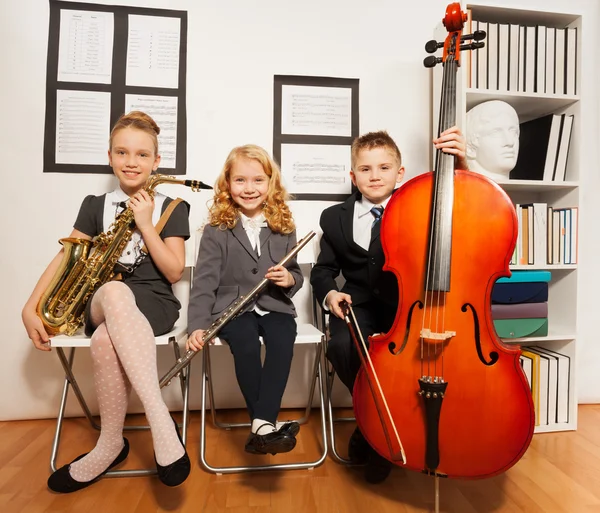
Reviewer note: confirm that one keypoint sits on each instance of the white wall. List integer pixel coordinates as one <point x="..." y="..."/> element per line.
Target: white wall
<point x="234" y="49"/>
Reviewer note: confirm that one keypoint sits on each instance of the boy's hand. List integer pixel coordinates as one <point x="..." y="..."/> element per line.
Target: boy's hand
<point x="452" y="141"/>
<point x="333" y="300"/>
<point x="195" y="341"/>
<point x="280" y="276"/>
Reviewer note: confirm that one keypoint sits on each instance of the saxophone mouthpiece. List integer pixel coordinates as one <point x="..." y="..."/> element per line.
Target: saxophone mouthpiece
<point x="197" y="185"/>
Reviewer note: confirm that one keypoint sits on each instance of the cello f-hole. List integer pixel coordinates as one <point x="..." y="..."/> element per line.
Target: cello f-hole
<point x="392" y="345"/>
<point x="476" y="335"/>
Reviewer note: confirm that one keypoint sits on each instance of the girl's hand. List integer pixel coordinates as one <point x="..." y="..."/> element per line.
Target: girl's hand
<point x="195" y="341"/>
<point x="35" y="329"/>
<point x="142" y="205"/>
<point x="452" y="141"/>
<point x="280" y="276"/>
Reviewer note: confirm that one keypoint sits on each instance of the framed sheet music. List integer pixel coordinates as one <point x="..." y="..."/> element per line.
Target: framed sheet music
<point x="315" y="121"/>
<point x="103" y="61"/>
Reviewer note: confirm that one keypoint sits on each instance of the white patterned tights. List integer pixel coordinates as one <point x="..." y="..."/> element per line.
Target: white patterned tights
<point x="124" y="355"/>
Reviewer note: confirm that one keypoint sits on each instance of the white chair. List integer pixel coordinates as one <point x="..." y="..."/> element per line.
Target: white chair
<point x="307" y="334"/>
<point x="176" y="336"/>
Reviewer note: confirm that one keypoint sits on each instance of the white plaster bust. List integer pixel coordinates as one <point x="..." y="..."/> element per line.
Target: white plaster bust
<point x="492" y="139"/>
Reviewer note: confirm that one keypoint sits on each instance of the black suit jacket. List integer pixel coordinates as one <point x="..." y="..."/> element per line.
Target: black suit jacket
<point x="362" y="269"/>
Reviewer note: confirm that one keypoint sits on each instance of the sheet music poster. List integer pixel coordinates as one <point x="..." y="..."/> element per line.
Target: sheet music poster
<point x="315" y="122"/>
<point x="106" y="60"/>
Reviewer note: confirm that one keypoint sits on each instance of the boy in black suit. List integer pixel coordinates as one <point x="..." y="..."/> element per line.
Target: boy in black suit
<point x="351" y="245"/>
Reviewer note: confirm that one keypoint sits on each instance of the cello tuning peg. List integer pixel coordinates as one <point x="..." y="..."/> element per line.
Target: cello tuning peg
<point x="431" y="61"/>
<point x="432" y="45"/>
<point x="472" y="46"/>
<point x="478" y="35"/>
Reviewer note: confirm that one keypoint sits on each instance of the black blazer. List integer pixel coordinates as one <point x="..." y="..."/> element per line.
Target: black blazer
<point x="228" y="267"/>
<point x="362" y="269"/>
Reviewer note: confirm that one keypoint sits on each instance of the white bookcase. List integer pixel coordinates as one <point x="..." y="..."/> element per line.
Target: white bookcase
<point x="563" y="293"/>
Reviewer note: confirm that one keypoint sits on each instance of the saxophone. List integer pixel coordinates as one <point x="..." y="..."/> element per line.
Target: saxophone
<point x="232" y="312"/>
<point x="86" y="265"/>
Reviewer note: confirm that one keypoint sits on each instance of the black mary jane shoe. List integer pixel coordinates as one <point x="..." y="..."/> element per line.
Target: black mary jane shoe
<point x="272" y="443"/>
<point x="177" y="472"/>
<point x="62" y="482"/>
<point x="291" y="428"/>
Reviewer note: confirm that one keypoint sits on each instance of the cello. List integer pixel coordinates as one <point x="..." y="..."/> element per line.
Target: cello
<point x="454" y="394"/>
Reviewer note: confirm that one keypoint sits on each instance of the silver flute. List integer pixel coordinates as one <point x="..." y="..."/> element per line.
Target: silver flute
<point x="232" y="312"/>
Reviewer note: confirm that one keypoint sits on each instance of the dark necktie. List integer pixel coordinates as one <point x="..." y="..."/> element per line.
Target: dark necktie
<point x="377" y="212"/>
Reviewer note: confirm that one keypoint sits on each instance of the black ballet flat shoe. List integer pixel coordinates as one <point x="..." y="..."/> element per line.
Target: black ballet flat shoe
<point x="358" y="448"/>
<point x="291" y="428"/>
<point x="271" y="443"/>
<point x="177" y="472"/>
<point x="62" y="482"/>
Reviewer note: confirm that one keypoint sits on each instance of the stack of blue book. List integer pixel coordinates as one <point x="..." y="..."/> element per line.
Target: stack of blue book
<point x="520" y="304"/>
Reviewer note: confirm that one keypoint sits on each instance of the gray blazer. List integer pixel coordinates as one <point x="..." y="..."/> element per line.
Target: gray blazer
<point x="228" y="267"/>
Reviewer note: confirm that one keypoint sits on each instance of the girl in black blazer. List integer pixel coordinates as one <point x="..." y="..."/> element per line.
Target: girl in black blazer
<point x="250" y="230"/>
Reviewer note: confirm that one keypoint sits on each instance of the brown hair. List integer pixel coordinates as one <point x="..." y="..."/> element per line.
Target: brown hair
<point x="141" y="121"/>
<point x="225" y="212"/>
<point x="373" y="140"/>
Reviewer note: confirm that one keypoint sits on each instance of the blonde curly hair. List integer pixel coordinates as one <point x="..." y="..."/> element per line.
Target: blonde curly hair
<point x="225" y="213"/>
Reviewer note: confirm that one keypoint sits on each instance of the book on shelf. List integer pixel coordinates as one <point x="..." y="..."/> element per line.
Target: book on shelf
<point x="529" y="83"/>
<point x="492" y="56"/>
<point x="559" y="62"/>
<point x="550" y="59"/>
<point x="540" y="59"/>
<point x="535" y="381"/>
<point x="513" y="58"/>
<point x="544" y="388"/>
<point x="503" y="56"/>
<point x="540" y="233"/>
<point x="552" y="386"/>
<point x="538" y="148"/>
<point x="482" y="62"/>
<point x="571" y="61"/>
<point x="526" y="364"/>
<point x="471" y="56"/>
<point x="563" y="376"/>
<point x="574" y="235"/>
<point x="560" y="169"/>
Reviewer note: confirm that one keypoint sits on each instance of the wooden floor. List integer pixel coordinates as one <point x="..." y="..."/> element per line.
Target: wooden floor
<point x="559" y="473"/>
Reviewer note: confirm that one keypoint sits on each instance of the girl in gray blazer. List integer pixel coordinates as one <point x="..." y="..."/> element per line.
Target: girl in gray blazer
<point x="250" y="230"/>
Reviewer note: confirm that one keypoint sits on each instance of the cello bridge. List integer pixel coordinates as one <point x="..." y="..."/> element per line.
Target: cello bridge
<point x="432" y="337"/>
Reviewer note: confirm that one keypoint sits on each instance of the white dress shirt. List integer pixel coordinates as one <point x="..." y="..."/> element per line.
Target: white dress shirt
<point x="252" y="226"/>
<point x="363" y="220"/>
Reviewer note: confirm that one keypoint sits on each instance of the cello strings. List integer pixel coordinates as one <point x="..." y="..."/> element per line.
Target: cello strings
<point x="445" y="186"/>
<point x="433" y="263"/>
<point x="441" y="205"/>
<point x="432" y="251"/>
<point x="449" y="175"/>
